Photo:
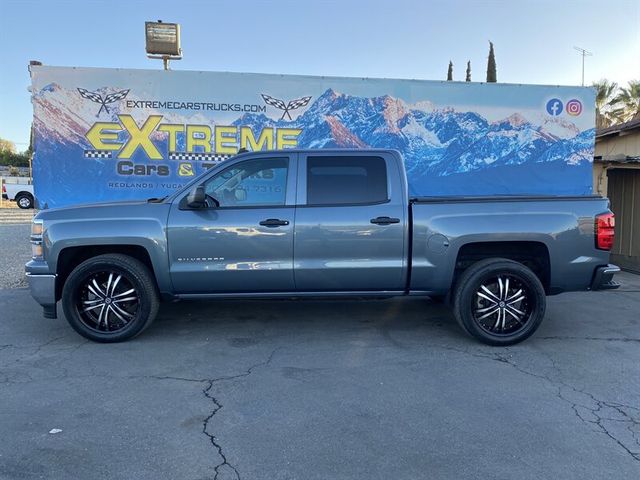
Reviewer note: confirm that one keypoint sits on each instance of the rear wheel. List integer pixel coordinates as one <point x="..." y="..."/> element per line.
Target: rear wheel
<point x="110" y="298"/>
<point x="24" y="200"/>
<point x="499" y="301"/>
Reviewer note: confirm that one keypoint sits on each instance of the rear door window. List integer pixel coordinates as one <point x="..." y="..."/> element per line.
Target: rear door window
<point x="339" y="180"/>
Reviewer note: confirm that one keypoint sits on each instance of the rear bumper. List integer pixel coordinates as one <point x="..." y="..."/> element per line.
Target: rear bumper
<point x="603" y="278"/>
<point x="43" y="290"/>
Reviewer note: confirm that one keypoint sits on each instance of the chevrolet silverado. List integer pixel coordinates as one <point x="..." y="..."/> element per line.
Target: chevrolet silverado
<point x="318" y="223"/>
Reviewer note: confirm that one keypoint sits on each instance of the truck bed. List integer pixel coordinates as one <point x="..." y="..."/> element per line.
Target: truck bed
<point x="446" y="232"/>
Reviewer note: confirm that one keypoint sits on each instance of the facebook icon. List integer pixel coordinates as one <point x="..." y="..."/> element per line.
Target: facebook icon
<point x="554" y="107"/>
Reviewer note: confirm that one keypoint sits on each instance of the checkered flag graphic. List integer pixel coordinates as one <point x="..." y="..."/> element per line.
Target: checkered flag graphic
<point x="298" y="103"/>
<point x="209" y="157"/>
<point x="274" y="102"/>
<point x="97" y="154"/>
<point x="287" y="107"/>
<point x="114" y="97"/>
<point x="103" y="101"/>
<point x="93" y="96"/>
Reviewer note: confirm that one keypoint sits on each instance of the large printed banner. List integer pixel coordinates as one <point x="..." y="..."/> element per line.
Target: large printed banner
<point x="111" y="134"/>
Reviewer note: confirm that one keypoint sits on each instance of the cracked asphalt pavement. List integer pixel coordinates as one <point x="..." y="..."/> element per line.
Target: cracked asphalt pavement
<point x="15" y="251"/>
<point x="385" y="389"/>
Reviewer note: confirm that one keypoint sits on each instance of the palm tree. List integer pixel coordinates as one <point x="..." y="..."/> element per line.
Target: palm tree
<point x="629" y="100"/>
<point x="606" y="100"/>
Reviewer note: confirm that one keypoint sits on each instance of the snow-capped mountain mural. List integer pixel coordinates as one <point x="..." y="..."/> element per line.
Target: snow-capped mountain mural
<point x="138" y="134"/>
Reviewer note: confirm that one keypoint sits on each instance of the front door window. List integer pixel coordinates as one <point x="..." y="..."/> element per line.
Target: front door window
<point x="261" y="182"/>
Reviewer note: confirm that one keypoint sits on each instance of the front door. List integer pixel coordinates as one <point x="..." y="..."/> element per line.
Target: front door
<point x="350" y="232"/>
<point x="246" y="243"/>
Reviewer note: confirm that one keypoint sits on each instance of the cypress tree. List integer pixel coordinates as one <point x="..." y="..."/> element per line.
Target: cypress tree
<point x="492" y="76"/>
<point x="468" y="79"/>
<point x="450" y="71"/>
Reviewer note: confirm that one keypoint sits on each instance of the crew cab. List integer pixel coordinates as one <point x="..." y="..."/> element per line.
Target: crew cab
<point x="318" y="223"/>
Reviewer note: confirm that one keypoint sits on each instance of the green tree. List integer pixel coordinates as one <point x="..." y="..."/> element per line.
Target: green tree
<point x="7" y="146"/>
<point x="492" y="75"/>
<point x="468" y="78"/>
<point x="9" y="157"/>
<point x="14" y="159"/>
<point x="450" y="71"/>
<point x="30" y="149"/>
<point x="629" y="101"/>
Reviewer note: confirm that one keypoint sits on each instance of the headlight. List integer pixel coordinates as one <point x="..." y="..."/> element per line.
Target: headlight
<point x="37" y="229"/>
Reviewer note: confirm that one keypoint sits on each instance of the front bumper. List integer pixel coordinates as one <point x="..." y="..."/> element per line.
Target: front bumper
<point x="603" y="278"/>
<point x="43" y="290"/>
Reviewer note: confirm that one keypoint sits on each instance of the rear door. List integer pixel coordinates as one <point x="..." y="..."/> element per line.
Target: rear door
<point x="350" y="224"/>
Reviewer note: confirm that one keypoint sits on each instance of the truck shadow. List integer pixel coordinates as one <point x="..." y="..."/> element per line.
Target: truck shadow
<point x="246" y="322"/>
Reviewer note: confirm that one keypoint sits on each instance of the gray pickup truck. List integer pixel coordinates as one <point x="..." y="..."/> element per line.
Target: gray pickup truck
<point x="318" y="223"/>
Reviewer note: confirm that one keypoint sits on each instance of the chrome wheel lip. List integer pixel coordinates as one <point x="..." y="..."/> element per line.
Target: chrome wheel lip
<point x="503" y="304"/>
<point x="107" y="301"/>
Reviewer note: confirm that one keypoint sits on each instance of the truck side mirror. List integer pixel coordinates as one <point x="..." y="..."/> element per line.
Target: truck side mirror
<point x="196" y="197"/>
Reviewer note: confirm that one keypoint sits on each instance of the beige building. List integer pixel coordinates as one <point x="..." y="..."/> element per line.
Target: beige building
<point x="616" y="174"/>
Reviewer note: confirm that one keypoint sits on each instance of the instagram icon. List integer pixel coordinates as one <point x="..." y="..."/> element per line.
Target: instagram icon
<point x="573" y="107"/>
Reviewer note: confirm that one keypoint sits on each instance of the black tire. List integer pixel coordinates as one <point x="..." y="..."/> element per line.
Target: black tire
<point x="24" y="200"/>
<point x="108" y="284"/>
<point x="490" y="297"/>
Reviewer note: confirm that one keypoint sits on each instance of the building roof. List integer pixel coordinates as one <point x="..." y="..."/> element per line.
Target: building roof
<point x="619" y="128"/>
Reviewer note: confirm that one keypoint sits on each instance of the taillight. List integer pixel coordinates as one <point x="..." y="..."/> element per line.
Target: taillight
<point x="605" y="234"/>
<point x="4" y="189"/>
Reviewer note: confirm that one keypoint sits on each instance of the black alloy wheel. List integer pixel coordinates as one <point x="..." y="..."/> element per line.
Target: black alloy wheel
<point x="107" y="301"/>
<point x="110" y="298"/>
<point x="503" y="305"/>
<point x="499" y="301"/>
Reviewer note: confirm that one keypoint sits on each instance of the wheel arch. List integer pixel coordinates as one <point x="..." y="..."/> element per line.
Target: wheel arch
<point x="533" y="254"/>
<point x="72" y="256"/>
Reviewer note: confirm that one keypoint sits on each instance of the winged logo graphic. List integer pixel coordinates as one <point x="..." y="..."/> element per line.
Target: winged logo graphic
<point x="103" y="101"/>
<point x="287" y="107"/>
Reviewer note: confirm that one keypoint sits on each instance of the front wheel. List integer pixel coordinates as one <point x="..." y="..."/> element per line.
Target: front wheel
<point x="110" y="298"/>
<point x="499" y="301"/>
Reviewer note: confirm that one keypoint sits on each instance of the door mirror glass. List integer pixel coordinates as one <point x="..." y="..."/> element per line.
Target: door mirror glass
<point x="241" y="195"/>
<point x="196" y="197"/>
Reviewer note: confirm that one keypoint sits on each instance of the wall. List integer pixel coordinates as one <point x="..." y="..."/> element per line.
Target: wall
<point x="117" y="134"/>
<point x="611" y="149"/>
<point x="626" y="144"/>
